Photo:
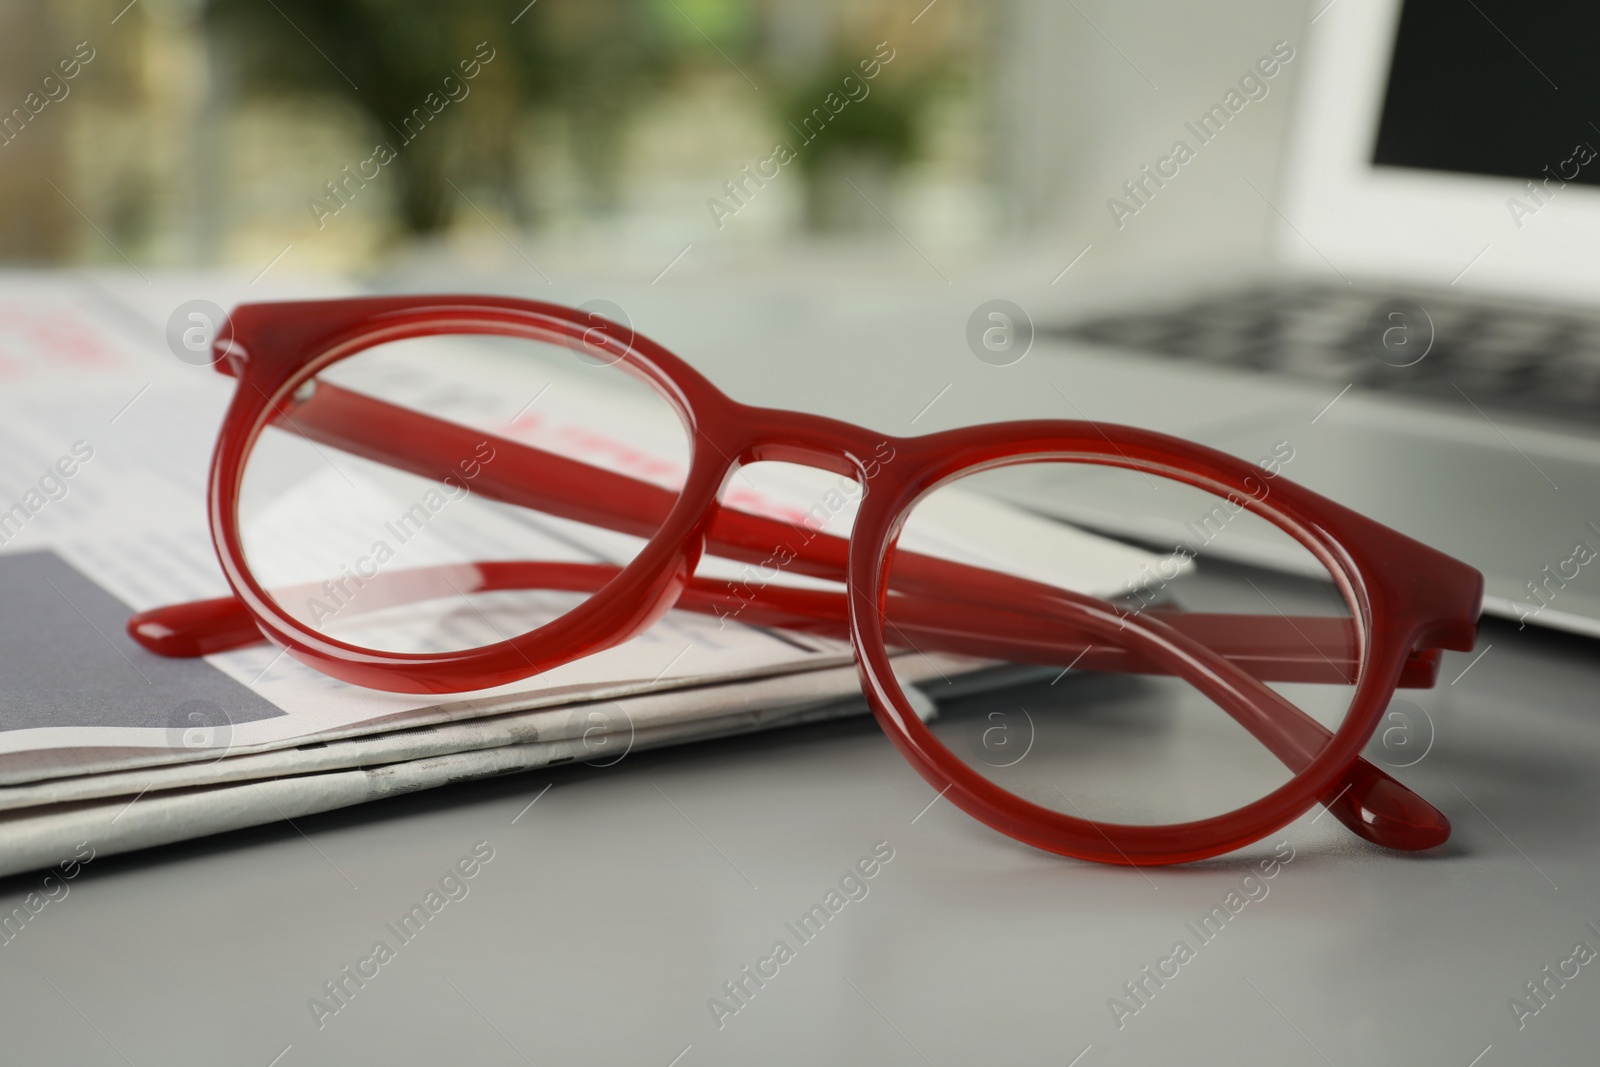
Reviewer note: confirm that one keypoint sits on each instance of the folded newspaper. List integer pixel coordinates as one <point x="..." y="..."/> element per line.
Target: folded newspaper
<point x="105" y="438"/>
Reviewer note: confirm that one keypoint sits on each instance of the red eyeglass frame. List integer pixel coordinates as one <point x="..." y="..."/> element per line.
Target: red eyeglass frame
<point x="1410" y="600"/>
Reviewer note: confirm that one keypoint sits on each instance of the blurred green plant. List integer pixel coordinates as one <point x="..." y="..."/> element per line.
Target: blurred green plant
<point x="868" y="139"/>
<point x="593" y="60"/>
<point x="883" y="124"/>
<point x="706" y="24"/>
<point x="593" y="65"/>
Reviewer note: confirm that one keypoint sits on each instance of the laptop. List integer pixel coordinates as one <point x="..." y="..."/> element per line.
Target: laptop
<point x="1429" y="341"/>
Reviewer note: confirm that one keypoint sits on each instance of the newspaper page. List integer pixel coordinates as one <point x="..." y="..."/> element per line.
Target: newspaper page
<point x="105" y="440"/>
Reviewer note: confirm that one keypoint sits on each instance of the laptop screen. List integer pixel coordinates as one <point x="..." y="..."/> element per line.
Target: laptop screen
<point x="1495" y="87"/>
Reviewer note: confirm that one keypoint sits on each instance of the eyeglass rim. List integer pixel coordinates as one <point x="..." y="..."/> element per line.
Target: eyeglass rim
<point x="1388" y="633"/>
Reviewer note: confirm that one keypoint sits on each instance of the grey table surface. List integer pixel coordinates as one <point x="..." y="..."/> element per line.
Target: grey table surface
<point x="614" y="908"/>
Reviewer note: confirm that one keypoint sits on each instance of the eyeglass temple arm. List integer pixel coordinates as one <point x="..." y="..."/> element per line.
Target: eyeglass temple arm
<point x="204" y="627"/>
<point x="1253" y="642"/>
<point x="1276" y="648"/>
<point x="531" y="477"/>
<point x="1367" y="800"/>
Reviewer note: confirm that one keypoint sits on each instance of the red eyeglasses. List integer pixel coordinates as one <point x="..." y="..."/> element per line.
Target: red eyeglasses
<point x="445" y="493"/>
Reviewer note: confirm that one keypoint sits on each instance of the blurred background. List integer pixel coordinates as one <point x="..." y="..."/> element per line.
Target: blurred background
<point x="359" y="136"/>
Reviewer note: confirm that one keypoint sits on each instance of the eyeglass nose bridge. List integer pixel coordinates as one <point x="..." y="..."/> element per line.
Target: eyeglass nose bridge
<point x="816" y="441"/>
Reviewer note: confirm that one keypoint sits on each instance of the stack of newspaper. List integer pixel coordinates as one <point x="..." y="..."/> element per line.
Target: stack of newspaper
<point x="105" y="438"/>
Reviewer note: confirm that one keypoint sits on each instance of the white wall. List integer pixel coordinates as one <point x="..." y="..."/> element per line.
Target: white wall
<point x="1080" y="114"/>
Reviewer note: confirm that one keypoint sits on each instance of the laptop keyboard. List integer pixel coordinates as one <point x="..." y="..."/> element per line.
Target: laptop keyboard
<point x="1426" y="344"/>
